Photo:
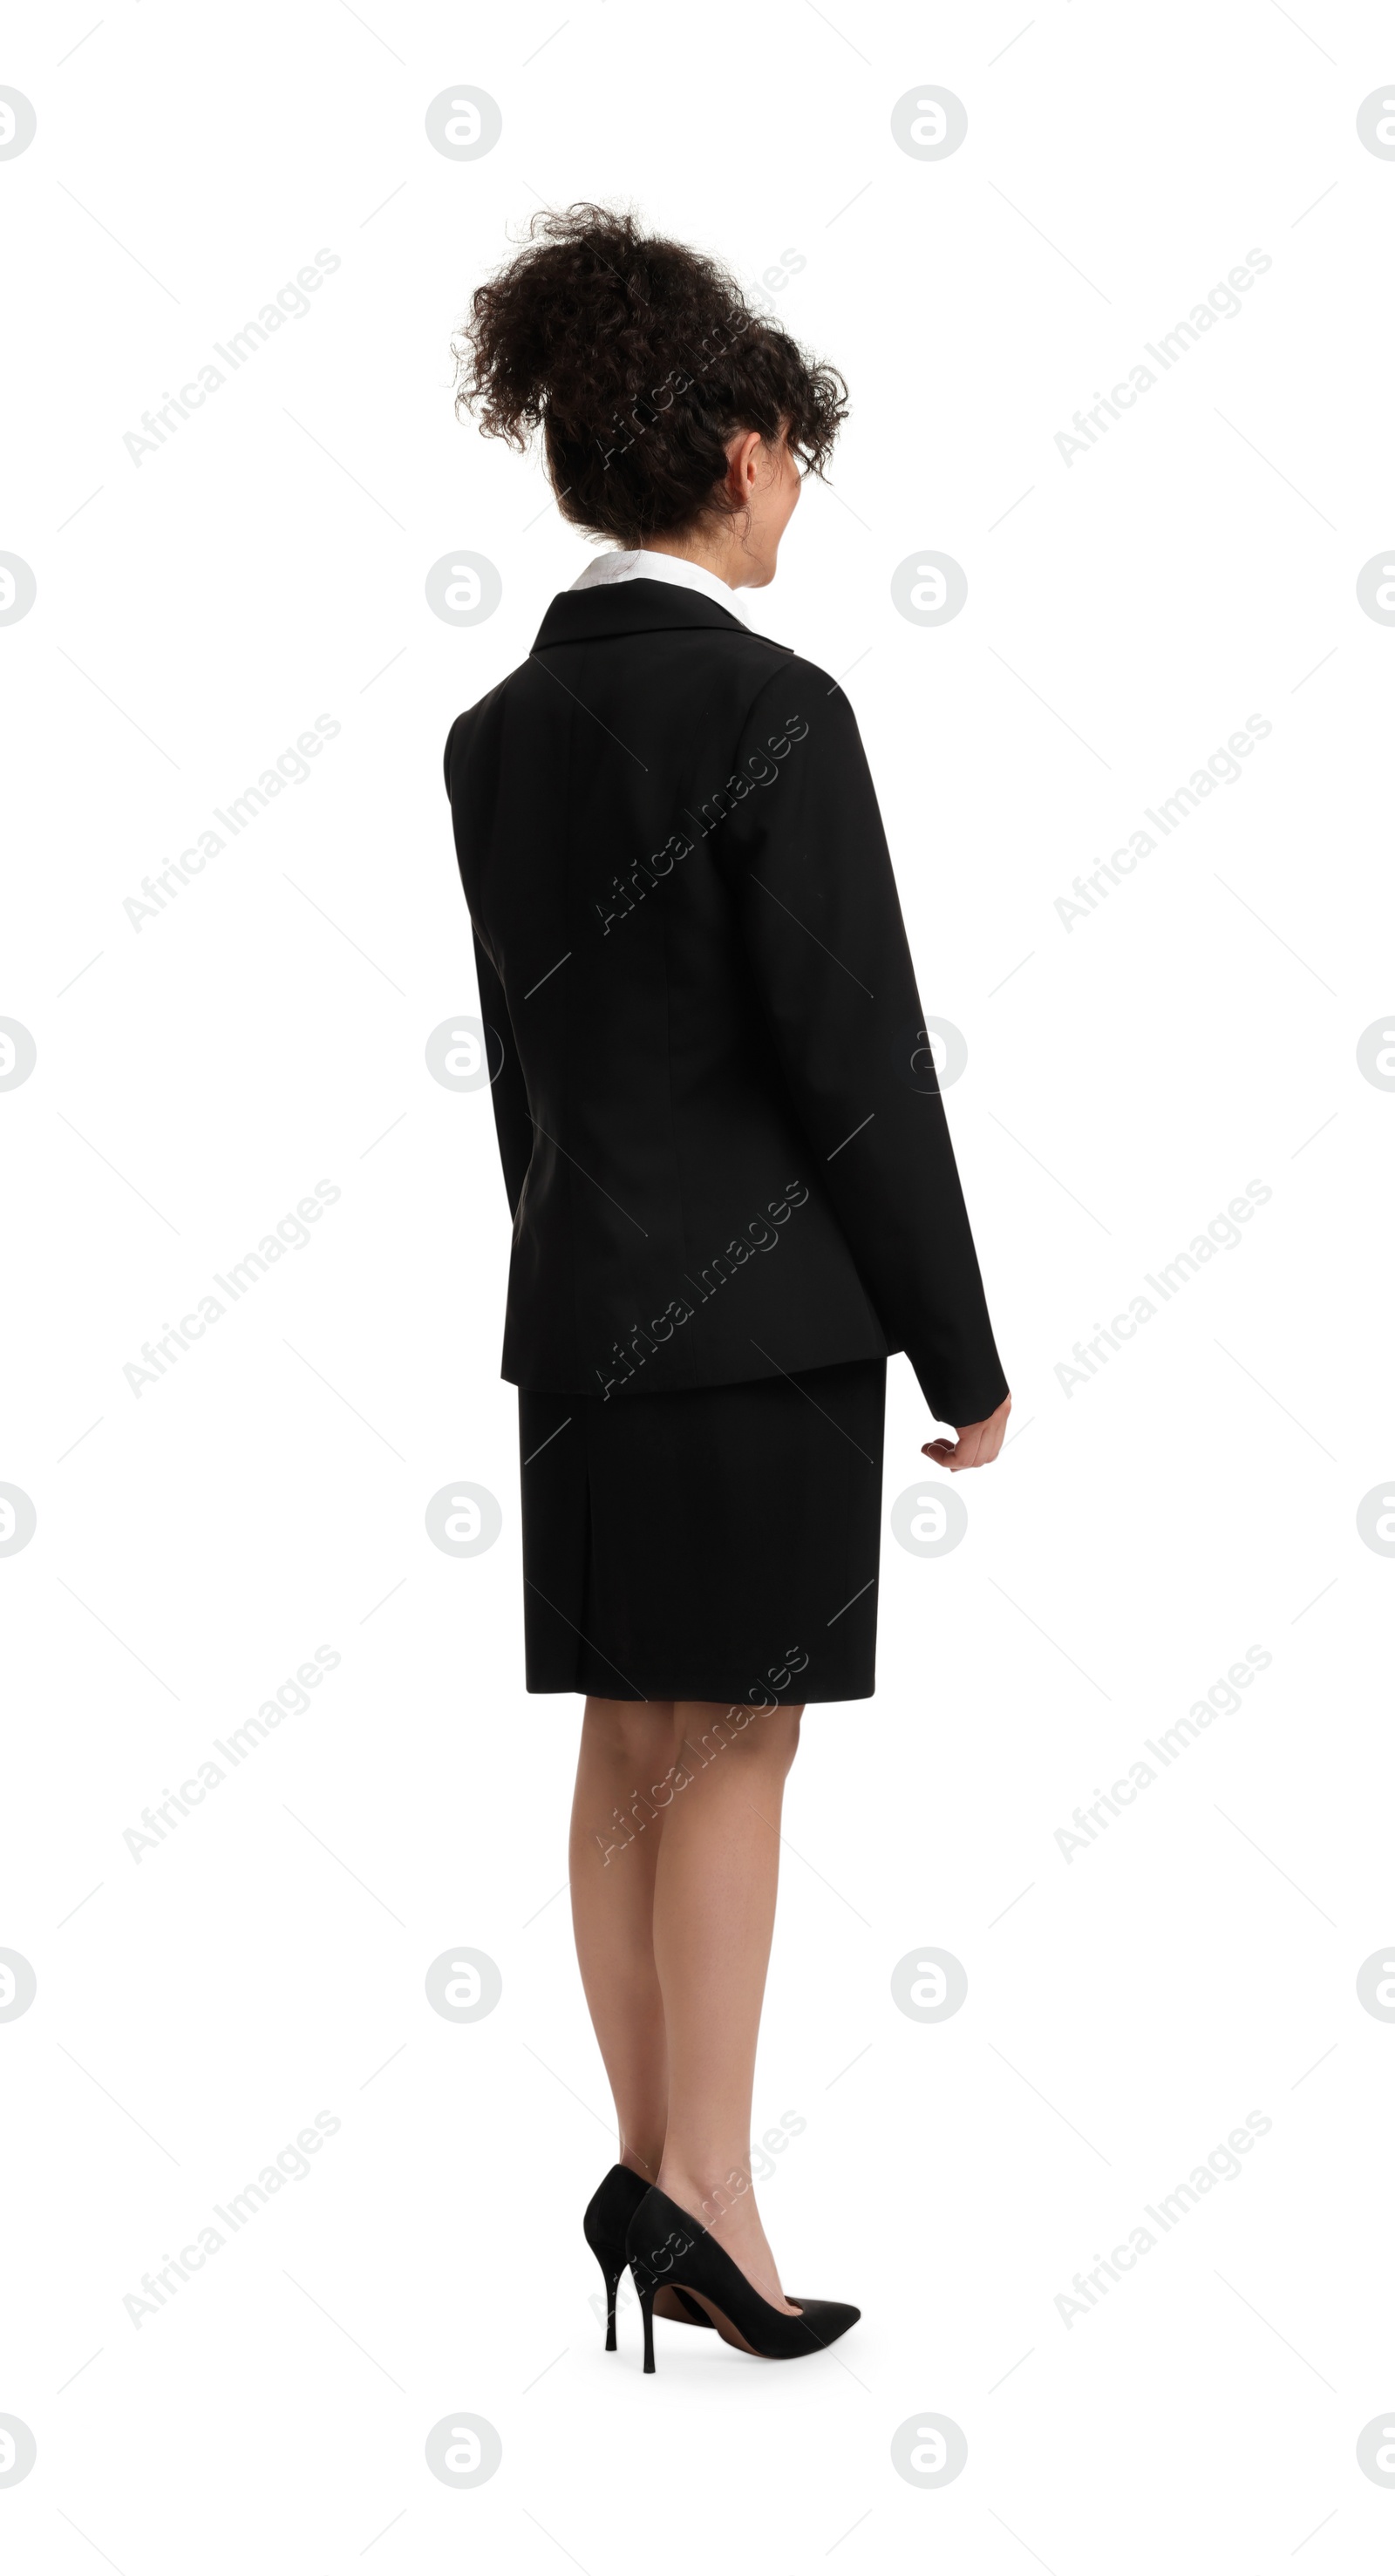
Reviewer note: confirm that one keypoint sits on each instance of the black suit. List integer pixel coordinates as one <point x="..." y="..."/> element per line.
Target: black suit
<point x="723" y="1144"/>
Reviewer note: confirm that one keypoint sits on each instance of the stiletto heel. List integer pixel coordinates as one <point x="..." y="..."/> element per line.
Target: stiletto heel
<point x="605" y="2222"/>
<point x="670" y="2250"/>
<point x="612" y="2284"/>
<point x="607" y="2216"/>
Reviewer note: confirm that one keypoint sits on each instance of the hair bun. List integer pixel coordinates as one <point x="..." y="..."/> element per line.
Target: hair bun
<point x="638" y="358"/>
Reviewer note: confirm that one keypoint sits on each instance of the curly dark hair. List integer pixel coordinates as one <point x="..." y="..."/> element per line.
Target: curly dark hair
<point x="639" y="358"/>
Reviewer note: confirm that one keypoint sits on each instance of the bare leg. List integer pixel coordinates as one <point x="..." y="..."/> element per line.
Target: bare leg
<point x="627" y="1751"/>
<point x="714" y="1912"/>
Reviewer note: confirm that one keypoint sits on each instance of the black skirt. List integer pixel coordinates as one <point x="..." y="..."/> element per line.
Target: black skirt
<point x="715" y="1544"/>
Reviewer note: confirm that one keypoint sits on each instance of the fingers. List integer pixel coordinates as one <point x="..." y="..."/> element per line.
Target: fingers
<point x="955" y="1454"/>
<point x="977" y="1445"/>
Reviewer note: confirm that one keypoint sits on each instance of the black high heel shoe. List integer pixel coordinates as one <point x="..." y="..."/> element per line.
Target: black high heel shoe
<point x="666" y="2248"/>
<point x="607" y="2217"/>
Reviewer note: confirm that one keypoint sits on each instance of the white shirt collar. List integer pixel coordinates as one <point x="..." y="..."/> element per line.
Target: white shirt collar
<point x="639" y="564"/>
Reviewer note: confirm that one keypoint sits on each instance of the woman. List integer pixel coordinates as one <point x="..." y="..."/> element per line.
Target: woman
<point x="731" y="1184"/>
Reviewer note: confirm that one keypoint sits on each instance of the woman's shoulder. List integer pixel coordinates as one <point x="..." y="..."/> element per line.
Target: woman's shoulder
<point x="803" y="690"/>
<point x="469" y="722"/>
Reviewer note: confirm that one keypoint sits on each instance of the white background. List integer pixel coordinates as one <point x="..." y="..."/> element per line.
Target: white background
<point x="1198" y="1495"/>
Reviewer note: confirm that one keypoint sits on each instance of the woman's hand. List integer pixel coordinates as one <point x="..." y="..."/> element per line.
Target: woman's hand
<point x="977" y="1445"/>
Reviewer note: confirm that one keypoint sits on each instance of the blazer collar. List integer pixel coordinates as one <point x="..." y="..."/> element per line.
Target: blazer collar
<point x="630" y="608"/>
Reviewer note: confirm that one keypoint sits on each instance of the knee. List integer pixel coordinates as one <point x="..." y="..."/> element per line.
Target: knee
<point x="632" y="1734"/>
<point x="769" y="1736"/>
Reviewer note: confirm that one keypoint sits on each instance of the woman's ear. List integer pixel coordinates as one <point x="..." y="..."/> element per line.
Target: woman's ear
<point x="744" y="449"/>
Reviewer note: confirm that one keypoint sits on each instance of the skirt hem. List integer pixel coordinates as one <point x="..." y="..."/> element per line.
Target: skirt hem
<point x="707" y="1698"/>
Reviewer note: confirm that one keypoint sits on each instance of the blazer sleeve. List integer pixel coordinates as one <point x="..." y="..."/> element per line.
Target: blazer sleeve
<point x="821" y="927"/>
<point x="512" y="1118"/>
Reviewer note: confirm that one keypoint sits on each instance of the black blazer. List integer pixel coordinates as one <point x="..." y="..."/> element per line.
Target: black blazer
<point x="723" y="1143"/>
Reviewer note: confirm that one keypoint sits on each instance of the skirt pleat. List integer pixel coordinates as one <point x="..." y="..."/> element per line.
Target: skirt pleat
<point x="720" y="1543"/>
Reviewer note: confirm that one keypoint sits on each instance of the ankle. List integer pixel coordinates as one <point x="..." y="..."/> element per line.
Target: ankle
<point x="644" y="2159"/>
<point x="721" y="2195"/>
